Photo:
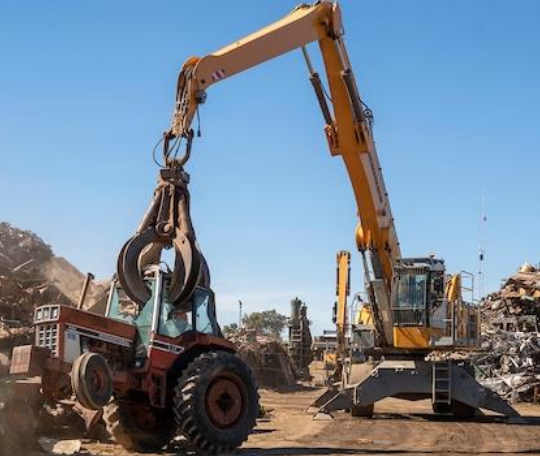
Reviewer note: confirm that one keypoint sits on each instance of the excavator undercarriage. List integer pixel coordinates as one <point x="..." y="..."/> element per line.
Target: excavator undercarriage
<point x="449" y="384"/>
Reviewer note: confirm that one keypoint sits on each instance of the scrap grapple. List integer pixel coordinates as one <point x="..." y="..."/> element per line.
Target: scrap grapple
<point x="166" y="224"/>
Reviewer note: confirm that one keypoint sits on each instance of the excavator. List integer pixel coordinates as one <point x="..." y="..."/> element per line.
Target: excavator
<point x="419" y="317"/>
<point x="156" y="365"/>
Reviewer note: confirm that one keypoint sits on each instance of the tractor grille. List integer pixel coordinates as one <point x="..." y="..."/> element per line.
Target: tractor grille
<point x="47" y="336"/>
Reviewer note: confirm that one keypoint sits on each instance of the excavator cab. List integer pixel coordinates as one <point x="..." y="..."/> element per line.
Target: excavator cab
<point x="419" y="305"/>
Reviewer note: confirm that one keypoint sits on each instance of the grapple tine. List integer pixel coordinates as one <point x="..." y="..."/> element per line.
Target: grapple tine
<point x="187" y="268"/>
<point x="120" y="266"/>
<point x="129" y="273"/>
<point x="204" y="278"/>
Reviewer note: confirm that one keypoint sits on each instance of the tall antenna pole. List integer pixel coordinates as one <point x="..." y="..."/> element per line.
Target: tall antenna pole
<point x="481" y="244"/>
<point x="240" y="314"/>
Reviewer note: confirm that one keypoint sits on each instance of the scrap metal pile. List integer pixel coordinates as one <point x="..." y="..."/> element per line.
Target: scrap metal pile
<point x="520" y="295"/>
<point x="511" y="362"/>
<point x="21" y="286"/>
<point x="21" y="282"/>
<point x="267" y="357"/>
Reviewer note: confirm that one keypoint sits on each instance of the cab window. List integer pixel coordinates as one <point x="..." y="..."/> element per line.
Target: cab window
<point x="205" y="319"/>
<point x="174" y="322"/>
<point x="124" y="309"/>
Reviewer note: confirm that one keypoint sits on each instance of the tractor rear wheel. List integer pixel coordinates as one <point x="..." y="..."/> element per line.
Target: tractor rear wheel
<point x="216" y="402"/>
<point x="138" y="427"/>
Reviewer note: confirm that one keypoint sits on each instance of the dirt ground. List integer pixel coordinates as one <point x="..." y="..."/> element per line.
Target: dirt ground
<point x="398" y="427"/>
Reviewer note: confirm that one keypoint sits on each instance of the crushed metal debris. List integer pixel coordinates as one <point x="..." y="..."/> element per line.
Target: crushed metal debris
<point x="519" y="296"/>
<point x="267" y="356"/>
<point x="510" y="362"/>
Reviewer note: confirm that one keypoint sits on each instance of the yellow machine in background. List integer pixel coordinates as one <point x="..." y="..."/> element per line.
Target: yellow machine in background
<point x="343" y="271"/>
<point x="364" y="316"/>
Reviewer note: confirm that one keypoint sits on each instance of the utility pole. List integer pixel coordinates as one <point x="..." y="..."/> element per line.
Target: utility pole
<point x="481" y="245"/>
<point x="240" y="314"/>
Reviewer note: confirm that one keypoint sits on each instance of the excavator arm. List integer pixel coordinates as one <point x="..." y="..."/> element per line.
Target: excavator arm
<point x="348" y="122"/>
<point x="303" y="25"/>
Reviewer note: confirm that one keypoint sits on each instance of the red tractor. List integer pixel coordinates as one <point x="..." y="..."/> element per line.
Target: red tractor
<point x="156" y="371"/>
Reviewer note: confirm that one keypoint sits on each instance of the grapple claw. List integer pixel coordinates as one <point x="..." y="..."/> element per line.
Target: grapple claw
<point x="167" y="223"/>
<point x="186" y="269"/>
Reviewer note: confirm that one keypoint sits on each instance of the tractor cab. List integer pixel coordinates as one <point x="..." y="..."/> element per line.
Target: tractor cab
<point x="159" y="319"/>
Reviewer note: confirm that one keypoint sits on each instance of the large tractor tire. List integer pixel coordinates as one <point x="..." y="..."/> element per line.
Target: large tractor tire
<point x="216" y="403"/>
<point x="137" y="427"/>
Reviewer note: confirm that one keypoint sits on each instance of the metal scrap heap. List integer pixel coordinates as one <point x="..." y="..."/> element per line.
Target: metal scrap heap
<point x="510" y="363"/>
<point x="267" y="357"/>
<point x="519" y="296"/>
<point x="21" y="254"/>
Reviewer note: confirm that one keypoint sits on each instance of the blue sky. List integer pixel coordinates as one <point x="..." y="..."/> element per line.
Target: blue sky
<point x="86" y="89"/>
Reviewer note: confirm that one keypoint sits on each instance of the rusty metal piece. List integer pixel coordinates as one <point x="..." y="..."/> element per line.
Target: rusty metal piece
<point x="87" y="280"/>
<point x="91" y="418"/>
<point x="29" y="360"/>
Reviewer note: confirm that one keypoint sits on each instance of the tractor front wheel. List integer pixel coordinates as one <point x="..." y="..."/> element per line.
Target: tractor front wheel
<point x="138" y="427"/>
<point x="216" y="402"/>
<point x="92" y="380"/>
